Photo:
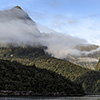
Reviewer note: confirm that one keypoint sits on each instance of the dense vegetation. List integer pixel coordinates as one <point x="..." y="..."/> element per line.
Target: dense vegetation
<point x="89" y="79"/>
<point x="24" y="55"/>
<point x="29" y="56"/>
<point x="17" y="77"/>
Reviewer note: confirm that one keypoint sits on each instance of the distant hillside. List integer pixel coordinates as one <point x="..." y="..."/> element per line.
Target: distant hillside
<point x="16" y="77"/>
<point x="87" y="47"/>
<point x="89" y="58"/>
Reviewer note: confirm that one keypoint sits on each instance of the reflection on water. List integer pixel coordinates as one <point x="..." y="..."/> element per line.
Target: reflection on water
<point x="92" y="97"/>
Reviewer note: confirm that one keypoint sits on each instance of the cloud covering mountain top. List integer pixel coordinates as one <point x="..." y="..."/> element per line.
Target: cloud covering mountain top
<point x="17" y="28"/>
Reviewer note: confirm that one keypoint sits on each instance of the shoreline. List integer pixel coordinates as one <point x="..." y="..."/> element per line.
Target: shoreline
<point x="31" y="93"/>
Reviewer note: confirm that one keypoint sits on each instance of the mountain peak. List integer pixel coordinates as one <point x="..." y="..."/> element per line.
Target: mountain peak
<point x="18" y="7"/>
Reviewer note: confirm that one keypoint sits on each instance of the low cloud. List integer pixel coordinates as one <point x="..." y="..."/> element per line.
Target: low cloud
<point x="92" y="51"/>
<point x="60" y="45"/>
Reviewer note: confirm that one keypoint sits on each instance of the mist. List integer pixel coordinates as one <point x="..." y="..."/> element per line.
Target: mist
<point x="60" y="45"/>
<point x="19" y="30"/>
<point x="91" y="52"/>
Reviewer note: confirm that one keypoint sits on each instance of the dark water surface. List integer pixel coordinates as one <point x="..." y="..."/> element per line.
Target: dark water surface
<point x="90" y="97"/>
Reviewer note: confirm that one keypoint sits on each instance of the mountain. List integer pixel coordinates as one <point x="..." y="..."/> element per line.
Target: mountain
<point x="89" y="58"/>
<point x="36" y="56"/>
<point x="20" y="42"/>
<point x="14" y="13"/>
<point x="22" y="29"/>
<point x="30" y="51"/>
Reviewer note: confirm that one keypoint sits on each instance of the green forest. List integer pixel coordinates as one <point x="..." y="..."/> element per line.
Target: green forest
<point x="17" y="77"/>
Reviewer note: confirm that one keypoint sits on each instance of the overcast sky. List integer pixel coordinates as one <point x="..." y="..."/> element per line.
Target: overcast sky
<point x="79" y="18"/>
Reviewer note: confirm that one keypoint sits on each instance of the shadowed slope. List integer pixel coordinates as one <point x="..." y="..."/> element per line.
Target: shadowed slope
<point x="16" y="77"/>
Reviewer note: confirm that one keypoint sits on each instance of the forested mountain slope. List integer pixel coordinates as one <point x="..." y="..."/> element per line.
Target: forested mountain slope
<point x="16" y="77"/>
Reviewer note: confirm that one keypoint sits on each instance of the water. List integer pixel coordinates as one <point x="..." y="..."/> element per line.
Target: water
<point x="92" y="97"/>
